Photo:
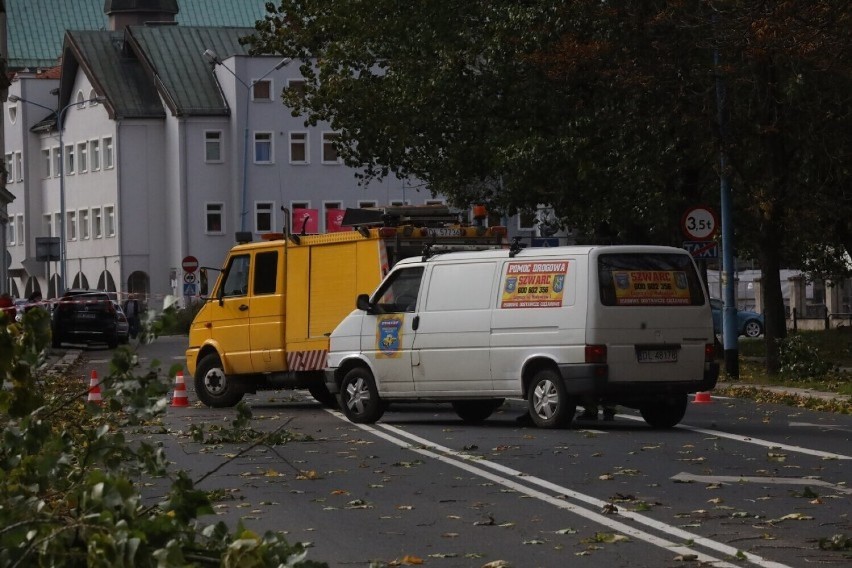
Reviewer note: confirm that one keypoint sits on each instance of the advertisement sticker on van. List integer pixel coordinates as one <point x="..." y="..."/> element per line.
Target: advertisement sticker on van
<point x="645" y="287"/>
<point x="538" y="284"/>
<point x="388" y="336"/>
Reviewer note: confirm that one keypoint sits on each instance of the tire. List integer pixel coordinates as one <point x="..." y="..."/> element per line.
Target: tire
<point x="212" y="386"/>
<point x="666" y="414"/>
<point x="359" y="397"/>
<point x="752" y="328"/>
<point x="548" y="403"/>
<point x="474" y="411"/>
<point x="112" y="341"/>
<point x="322" y="395"/>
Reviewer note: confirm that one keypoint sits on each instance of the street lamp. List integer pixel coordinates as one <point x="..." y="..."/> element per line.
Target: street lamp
<point x="60" y="114"/>
<point x="214" y="59"/>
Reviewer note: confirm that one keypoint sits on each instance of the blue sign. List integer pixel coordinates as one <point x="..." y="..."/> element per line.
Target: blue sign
<point x="545" y="242"/>
<point x="190" y="289"/>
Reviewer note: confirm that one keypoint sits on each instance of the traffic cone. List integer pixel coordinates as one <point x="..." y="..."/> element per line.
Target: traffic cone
<point x="179" y="398"/>
<point x="702" y="397"/>
<point x="94" y="389"/>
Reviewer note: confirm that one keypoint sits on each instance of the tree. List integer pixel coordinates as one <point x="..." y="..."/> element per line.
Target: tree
<point x="604" y="111"/>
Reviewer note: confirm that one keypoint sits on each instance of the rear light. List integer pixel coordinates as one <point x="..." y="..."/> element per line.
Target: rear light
<point x="386" y="232"/>
<point x="709" y="352"/>
<point x="595" y="353"/>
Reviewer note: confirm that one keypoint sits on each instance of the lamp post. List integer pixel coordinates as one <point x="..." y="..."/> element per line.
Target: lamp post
<point x="60" y="114"/>
<point x="214" y="59"/>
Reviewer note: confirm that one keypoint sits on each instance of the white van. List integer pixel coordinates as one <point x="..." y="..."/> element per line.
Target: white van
<point x="561" y="326"/>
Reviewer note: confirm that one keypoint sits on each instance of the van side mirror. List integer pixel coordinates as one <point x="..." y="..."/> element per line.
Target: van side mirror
<point x="363" y="303"/>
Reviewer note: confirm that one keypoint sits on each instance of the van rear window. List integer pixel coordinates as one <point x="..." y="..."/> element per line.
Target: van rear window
<point x="643" y="279"/>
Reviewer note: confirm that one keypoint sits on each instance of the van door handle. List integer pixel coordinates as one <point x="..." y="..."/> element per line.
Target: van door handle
<point x="415" y="323"/>
<point x="243" y="307"/>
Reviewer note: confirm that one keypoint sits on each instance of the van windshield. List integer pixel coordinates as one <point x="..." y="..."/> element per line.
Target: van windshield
<point x="640" y="279"/>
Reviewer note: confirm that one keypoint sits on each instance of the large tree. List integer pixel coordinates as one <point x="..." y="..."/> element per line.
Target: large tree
<point x="605" y="111"/>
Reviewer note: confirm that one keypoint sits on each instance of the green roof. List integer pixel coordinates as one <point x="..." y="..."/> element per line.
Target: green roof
<point x="36" y="28"/>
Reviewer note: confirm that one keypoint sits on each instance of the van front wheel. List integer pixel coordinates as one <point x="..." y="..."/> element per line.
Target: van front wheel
<point x="549" y="405"/>
<point x="665" y="414"/>
<point x="212" y="385"/>
<point x="359" y="397"/>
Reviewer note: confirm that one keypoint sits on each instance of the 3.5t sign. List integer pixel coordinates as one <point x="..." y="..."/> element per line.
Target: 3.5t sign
<point x="699" y="223"/>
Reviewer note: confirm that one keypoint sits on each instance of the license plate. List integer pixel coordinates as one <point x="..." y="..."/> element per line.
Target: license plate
<point x="87" y="315"/>
<point x="657" y="355"/>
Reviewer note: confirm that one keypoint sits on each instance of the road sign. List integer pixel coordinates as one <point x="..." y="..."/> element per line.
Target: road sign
<point x="699" y="223"/>
<point x="189" y="277"/>
<point x="190" y="289"/>
<point x="702" y="249"/>
<point x="189" y="264"/>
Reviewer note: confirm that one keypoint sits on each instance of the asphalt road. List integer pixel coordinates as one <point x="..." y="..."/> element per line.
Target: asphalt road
<point x="736" y="484"/>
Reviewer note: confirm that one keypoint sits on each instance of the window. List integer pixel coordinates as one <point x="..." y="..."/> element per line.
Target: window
<point x="10" y="233"/>
<point x="84" y="224"/>
<point x="19" y="166"/>
<point x="399" y="202"/>
<point x="13" y="113"/>
<point x="108" y="158"/>
<point x="526" y="220"/>
<point x="46" y="162"/>
<point x="82" y="155"/>
<point x="109" y="220"/>
<point x="47" y="225"/>
<point x="95" y="154"/>
<point x="631" y="279"/>
<point x="213" y="146"/>
<point x="71" y="225"/>
<point x="80" y="99"/>
<point x="92" y="97"/>
<point x="57" y="224"/>
<point x="57" y="162"/>
<point x="262" y="147"/>
<point x="21" y="236"/>
<point x="97" y="223"/>
<point x="444" y="293"/>
<point x="399" y="292"/>
<point x="261" y="90"/>
<point x="213" y="219"/>
<point x="329" y="152"/>
<point x="236" y="277"/>
<point x="298" y="147"/>
<point x="297" y="86"/>
<point x="10" y="164"/>
<point x="263" y="217"/>
<point x="366" y="204"/>
<point x="265" y="272"/>
<point x="332" y="215"/>
<point x="69" y="159"/>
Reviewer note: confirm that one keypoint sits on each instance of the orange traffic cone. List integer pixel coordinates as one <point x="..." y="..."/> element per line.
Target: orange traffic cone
<point x="702" y="397"/>
<point x="179" y="398"/>
<point x="94" y="389"/>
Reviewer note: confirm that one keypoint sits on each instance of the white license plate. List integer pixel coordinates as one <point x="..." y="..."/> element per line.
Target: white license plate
<point x="657" y="355"/>
<point x="87" y="315"/>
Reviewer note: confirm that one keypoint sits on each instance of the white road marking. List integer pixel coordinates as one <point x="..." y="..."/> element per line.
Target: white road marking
<point x="731" y="479"/>
<point x="755" y="441"/>
<point x="837" y="427"/>
<point x="465" y="461"/>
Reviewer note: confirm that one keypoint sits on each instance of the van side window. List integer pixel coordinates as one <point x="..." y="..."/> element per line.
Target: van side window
<point x="265" y="272"/>
<point x="399" y="292"/>
<point x="236" y="281"/>
<point x="645" y="279"/>
<point x="456" y="287"/>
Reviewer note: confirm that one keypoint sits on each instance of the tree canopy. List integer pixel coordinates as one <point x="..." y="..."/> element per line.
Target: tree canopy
<point x="607" y="112"/>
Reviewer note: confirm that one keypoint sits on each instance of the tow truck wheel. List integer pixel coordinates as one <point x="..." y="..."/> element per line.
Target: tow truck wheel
<point x="359" y="398"/>
<point x="212" y="385"/>
<point x="665" y="414"/>
<point x="549" y="405"/>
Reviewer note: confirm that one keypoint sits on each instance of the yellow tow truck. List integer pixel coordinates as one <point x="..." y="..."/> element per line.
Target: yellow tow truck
<point x="266" y="323"/>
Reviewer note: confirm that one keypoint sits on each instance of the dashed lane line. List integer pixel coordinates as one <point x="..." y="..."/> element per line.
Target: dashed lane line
<point x="732" y="479"/>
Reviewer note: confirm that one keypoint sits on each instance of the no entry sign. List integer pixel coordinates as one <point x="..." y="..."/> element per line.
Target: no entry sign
<point x="189" y="264"/>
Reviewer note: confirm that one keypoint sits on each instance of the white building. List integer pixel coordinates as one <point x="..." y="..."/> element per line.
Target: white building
<point x="165" y="155"/>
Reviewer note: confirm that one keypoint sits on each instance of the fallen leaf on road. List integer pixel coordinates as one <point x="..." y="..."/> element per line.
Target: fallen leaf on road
<point x="686" y="558"/>
<point x="497" y="564"/>
<point x="793" y="517"/>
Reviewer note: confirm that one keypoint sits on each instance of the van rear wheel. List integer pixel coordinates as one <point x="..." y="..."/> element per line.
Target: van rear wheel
<point x="665" y="414"/>
<point x="359" y="397"/>
<point x="212" y="385"/>
<point x="549" y="405"/>
<point x="473" y="411"/>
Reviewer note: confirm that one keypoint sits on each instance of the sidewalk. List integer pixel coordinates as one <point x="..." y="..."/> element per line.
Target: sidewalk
<point x="807" y="393"/>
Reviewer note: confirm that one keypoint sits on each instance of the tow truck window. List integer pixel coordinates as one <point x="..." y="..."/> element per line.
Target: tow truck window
<point x="265" y="272"/>
<point x="236" y="281"/>
<point x="399" y="292"/>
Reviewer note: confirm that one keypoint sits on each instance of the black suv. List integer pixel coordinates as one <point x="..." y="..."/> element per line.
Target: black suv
<point x="85" y="316"/>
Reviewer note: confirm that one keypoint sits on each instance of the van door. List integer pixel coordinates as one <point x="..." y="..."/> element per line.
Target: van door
<point x="388" y="334"/>
<point x="266" y="332"/>
<point x="229" y="314"/>
<point x="452" y="342"/>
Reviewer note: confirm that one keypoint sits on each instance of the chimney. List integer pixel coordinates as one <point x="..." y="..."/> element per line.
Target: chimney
<point x="123" y="13"/>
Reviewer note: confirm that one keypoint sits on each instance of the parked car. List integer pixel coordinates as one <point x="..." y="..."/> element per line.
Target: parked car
<point x="85" y="316"/>
<point x="749" y="323"/>
<point x="122" y="325"/>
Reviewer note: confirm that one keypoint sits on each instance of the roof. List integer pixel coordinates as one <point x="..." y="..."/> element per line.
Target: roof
<point x="138" y="69"/>
<point x="36" y="28"/>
